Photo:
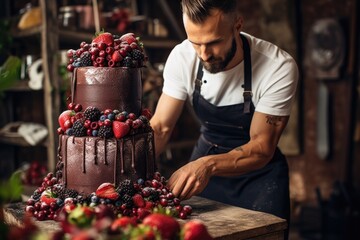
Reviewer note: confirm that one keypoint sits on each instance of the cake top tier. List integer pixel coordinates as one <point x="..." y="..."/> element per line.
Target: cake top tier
<point x="108" y="50"/>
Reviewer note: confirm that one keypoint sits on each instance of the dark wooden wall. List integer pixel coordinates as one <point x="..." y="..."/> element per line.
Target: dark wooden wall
<point x="287" y="24"/>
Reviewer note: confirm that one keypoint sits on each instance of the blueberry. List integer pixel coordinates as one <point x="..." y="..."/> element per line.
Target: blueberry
<point x="111" y="116"/>
<point x="103" y="117"/>
<point x="94" y="133"/>
<point x="125" y="113"/>
<point x="59" y="202"/>
<point x="69" y="131"/>
<point x="140" y="181"/>
<point x="94" y="199"/>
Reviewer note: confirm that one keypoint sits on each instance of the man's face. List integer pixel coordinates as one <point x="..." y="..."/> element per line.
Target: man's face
<point x="213" y="41"/>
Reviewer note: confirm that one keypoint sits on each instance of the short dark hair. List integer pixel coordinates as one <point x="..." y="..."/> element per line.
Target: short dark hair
<point x="199" y="10"/>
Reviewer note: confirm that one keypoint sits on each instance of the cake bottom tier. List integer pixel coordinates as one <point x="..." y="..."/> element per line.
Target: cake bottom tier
<point x="87" y="162"/>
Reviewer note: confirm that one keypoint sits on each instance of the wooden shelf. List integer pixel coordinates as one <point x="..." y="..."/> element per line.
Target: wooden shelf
<point x="19" y="141"/>
<point x="21" y="86"/>
<point x="16" y="33"/>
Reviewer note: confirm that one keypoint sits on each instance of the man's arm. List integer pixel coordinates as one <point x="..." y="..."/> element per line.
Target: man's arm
<point x="265" y="132"/>
<point x="165" y="117"/>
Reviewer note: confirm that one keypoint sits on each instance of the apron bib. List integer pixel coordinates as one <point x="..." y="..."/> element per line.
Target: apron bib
<point x="226" y="127"/>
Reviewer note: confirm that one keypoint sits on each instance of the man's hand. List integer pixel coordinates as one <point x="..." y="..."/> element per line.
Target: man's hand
<point x="190" y="179"/>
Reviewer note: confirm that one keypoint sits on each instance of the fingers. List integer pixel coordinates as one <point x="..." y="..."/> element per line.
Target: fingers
<point x="182" y="185"/>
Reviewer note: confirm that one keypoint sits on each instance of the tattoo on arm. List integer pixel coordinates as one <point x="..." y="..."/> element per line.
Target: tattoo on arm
<point x="273" y="120"/>
<point x="239" y="149"/>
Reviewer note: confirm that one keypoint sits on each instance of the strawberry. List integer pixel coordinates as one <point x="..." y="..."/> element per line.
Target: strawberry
<point x="116" y="56"/>
<point x="138" y="200"/>
<point x="107" y="190"/>
<point x="120" y="129"/>
<point x="81" y="216"/>
<point x="128" y="37"/>
<point x="144" y="232"/>
<point x="142" y="213"/>
<point x="65" y="118"/>
<point x="195" y="229"/>
<point x="168" y="227"/>
<point x="48" y="197"/>
<point x="123" y="222"/>
<point x="105" y="37"/>
<point x="149" y="205"/>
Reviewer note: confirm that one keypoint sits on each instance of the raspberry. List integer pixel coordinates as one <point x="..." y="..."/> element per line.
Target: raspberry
<point x="78" y="129"/>
<point x="92" y="113"/>
<point x="105" y="132"/>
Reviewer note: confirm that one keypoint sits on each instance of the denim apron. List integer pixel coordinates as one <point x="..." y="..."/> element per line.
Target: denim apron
<point x="227" y="127"/>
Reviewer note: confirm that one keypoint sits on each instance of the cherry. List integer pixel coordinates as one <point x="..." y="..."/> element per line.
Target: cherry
<point x="187" y="209"/>
<point x="77" y="107"/>
<point x="71" y="106"/>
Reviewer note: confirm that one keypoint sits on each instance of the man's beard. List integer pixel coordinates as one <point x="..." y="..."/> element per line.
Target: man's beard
<point x="215" y="65"/>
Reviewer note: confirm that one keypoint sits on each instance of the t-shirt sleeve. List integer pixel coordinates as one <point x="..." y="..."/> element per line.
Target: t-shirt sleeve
<point x="279" y="92"/>
<point x="174" y="77"/>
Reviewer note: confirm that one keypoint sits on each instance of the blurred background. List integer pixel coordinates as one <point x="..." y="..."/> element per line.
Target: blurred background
<point x="321" y="141"/>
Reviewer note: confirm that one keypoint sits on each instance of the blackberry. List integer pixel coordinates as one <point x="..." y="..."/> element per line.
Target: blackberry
<point x="144" y="119"/>
<point x="70" y="193"/>
<point x="136" y="54"/>
<point x="85" y="59"/>
<point x="154" y="196"/>
<point x="92" y="113"/>
<point x="127" y="200"/>
<point x="126" y="187"/>
<point x="128" y="62"/>
<point x="58" y="190"/>
<point x="105" y="132"/>
<point x="78" y="129"/>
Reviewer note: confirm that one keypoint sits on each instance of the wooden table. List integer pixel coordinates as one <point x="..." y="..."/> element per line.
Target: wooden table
<point x="223" y="221"/>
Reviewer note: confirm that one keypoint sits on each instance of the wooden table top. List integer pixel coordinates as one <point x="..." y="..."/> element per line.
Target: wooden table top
<point x="223" y="221"/>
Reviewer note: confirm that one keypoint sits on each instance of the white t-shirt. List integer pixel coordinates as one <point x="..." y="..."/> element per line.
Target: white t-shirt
<point x="274" y="78"/>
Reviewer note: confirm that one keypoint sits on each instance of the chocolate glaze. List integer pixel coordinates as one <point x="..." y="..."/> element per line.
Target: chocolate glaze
<point x="131" y="157"/>
<point x="104" y="87"/>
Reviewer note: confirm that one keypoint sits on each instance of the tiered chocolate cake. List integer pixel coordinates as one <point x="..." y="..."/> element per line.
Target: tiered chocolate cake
<point x="105" y="134"/>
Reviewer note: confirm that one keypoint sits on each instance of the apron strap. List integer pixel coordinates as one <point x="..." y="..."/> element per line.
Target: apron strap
<point x="247" y="75"/>
<point x="198" y="83"/>
<point x="247" y="78"/>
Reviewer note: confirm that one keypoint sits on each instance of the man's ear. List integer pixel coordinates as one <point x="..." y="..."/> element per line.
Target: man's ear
<point x="239" y="23"/>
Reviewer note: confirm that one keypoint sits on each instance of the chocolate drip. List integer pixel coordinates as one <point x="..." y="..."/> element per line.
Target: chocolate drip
<point x="116" y="162"/>
<point x="95" y="151"/>
<point x="83" y="160"/>
<point x="59" y="148"/>
<point x="105" y="159"/>
<point x="73" y="84"/>
<point x="122" y="155"/>
<point x="65" y="170"/>
<point x="133" y="154"/>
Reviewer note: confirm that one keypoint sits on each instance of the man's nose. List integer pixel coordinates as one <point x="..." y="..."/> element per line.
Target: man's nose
<point x="204" y="53"/>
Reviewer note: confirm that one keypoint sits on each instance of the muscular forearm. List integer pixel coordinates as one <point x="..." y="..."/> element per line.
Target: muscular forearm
<point x="243" y="159"/>
<point x="161" y="138"/>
